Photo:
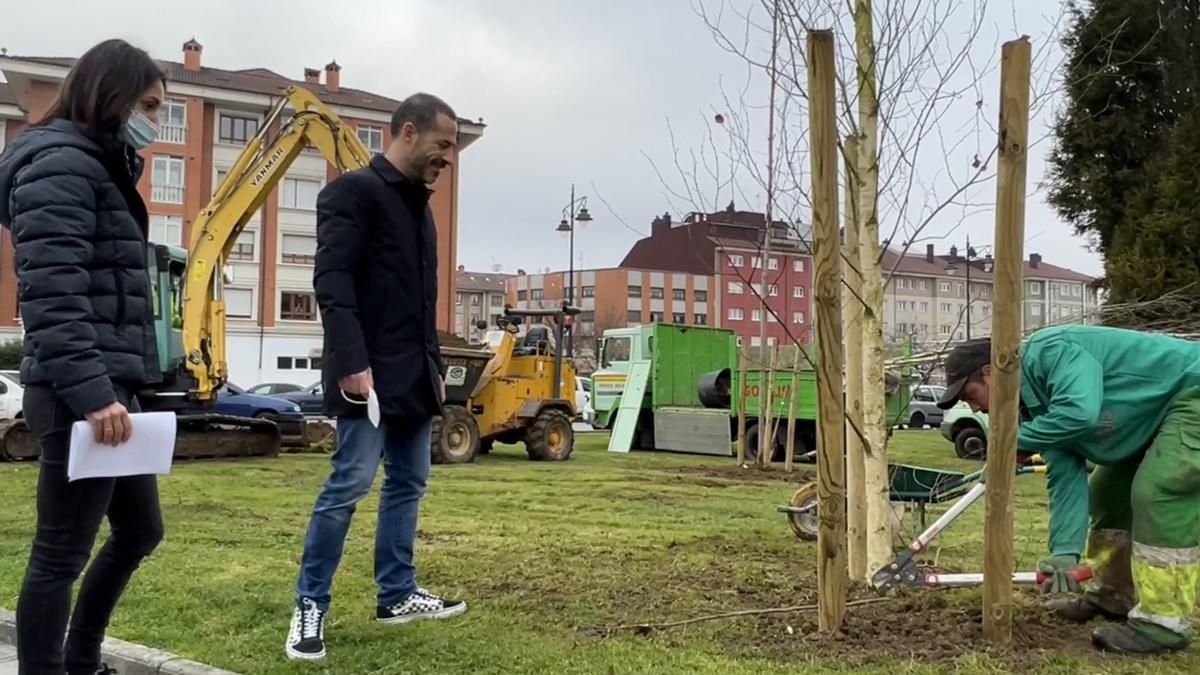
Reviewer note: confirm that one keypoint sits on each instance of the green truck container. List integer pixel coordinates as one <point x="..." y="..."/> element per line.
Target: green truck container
<point x="692" y="403"/>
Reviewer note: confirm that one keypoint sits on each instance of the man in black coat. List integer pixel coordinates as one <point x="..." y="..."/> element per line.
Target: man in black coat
<point x="376" y="284"/>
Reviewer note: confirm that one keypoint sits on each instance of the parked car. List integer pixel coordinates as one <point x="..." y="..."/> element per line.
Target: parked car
<point x="310" y="399"/>
<point x="237" y="402"/>
<point x="583" y="398"/>
<point x="922" y="407"/>
<point x="11" y="395"/>
<point x="273" y="388"/>
<point x="967" y="430"/>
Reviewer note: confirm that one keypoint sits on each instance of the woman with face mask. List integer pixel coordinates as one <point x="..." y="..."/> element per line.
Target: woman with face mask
<point x="68" y="194"/>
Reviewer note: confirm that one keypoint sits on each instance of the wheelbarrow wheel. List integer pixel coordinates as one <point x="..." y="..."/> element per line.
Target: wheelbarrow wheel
<point x="805" y="525"/>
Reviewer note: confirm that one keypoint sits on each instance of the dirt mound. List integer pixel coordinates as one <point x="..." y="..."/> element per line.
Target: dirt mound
<point x="732" y="471"/>
<point x="927" y="628"/>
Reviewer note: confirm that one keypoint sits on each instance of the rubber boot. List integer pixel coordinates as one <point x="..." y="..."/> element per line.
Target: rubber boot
<point x="1081" y="609"/>
<point x="1124" y="639"/>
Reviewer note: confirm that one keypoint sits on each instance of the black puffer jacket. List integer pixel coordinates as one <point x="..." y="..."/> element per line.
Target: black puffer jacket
<point x="79" y="228"/>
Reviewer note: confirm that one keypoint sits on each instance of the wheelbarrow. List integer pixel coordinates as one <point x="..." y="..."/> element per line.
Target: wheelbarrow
<point x="920" y="487"/>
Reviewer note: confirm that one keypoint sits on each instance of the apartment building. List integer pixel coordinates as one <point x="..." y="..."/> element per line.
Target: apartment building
<point x="274" y="331"/>
<point x="617" y="297"/>
<point x="481" y="297"/>
<point x="935" y="299"/>
<point x="726" y="247"/>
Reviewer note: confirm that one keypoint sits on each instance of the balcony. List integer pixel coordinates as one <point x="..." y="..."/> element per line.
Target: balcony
<point x="172" y="134"/>
<point x="166" y="194"/>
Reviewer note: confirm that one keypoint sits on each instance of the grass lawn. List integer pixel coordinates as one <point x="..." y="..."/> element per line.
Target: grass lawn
<point x="549" y="554"/>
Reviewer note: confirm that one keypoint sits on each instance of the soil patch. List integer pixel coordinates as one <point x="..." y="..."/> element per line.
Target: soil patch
<point x="696" y="474"/>
<point x="925" y="628"/>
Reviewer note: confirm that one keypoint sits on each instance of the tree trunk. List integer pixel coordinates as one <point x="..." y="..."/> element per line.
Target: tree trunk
<point x="879" y="525"/>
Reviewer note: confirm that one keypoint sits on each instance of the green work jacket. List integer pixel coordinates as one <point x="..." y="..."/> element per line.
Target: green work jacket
<point x="1091" y="393"/>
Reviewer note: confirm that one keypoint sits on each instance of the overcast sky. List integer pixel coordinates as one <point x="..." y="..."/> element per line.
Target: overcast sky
<point x="571" y="91"/>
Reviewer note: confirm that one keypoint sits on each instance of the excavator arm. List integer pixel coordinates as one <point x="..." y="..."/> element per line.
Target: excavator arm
<point x="262" y="164"/>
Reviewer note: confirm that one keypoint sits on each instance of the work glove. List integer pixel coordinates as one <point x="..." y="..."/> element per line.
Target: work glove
<point x="1058" y="574"/>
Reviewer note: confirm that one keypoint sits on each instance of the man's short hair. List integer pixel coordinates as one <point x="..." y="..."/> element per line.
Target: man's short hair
<point x="421" y="110"/>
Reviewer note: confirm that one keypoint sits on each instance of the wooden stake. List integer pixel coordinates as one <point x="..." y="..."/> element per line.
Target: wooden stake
<point x="1006" y="341"/>
<point x="875" y="422"/>
<point x="767" y="427"/>
<point x="831" y="446"/>
<point x="740" y="397"/>
<point x="790" y="448"/>
<point x="852" y="314"/>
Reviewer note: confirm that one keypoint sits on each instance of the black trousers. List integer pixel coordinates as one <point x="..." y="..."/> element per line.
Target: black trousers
<point x="68" y="517"/>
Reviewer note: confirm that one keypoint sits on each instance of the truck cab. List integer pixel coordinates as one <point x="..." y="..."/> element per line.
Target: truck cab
<point x="618" y="348"/>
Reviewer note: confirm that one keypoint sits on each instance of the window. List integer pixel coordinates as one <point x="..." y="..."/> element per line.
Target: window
<point x="476" y="300"/>
<point x="679" y="318"/>
<point x="298" y="363"/>
<point x="1076" y="291"/>
<point x="798" y="265"/>
<point x="166" y="230"/>
<point x="798" y="292"/>
<point x="798" y="318"/>
<point x="945" y="308"/>
<point x="736" y="314"/>
<point x="924" y="306"/>
<point x="172" y="120"/>
<point x="924" y="328"/>
<point x="902" y="306"/>
<point x="736" y="288"/>
<point x="535" y="294"/>
<point x="635" y="316"/>
<point x="372" y="137"/>
<point x="1035" y="310"/>
<point x="701" y="320"/>
<point x="903" y="283"/>
<point x="772" y="263"/>
<point x="166" y="180"/>
<point x="298" y="249"/>
<point x="522" y="296"/>
<point x="237" y="130"/>
<point x="960" y="289"/>
<point x="243" y="248"/>
<point x="756" y="262"/>
<point x="773" y="290"/>
<point x="656" y="293"/>
<point x="656" y="317"/>
<point x="945" y="329"/>
<point x="987" y="311"/>
<point x="678" y="294"/>
<point x="587" y="291"/>
<point x="1035" y="287"/>
<point x="944" y="286"/>
<point x="297" y="306"/>
<point x="736" y="261"/>
<point x="239" y="303"/>
<point x="299" y="193"/>
<point x="635" y="291"/>
<point x="616" y="349"/>
<point x="756" y="315"/>
<point x="924" y="284"/>
<point x="700" y="296"/>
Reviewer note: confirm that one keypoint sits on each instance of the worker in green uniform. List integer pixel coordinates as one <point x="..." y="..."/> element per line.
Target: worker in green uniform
<point x="1129" y="403"/>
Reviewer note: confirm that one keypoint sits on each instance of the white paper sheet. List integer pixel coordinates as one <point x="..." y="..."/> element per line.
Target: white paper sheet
<point x="148" y="450"/>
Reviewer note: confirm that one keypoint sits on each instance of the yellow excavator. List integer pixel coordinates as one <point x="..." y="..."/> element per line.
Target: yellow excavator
<point x="188" y="286"/>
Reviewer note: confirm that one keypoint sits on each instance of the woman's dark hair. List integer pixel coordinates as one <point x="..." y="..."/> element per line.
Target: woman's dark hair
<point x="103" y="85"/>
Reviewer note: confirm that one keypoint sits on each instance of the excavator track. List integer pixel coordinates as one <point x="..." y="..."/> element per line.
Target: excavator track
<point x="198" y="437"/>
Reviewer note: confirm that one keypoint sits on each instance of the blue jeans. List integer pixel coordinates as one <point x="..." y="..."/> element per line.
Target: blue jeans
<point x="404" y="449"/>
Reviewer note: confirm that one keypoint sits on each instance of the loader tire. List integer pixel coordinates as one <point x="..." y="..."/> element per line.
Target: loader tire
<point x="550" y="438"/>
<point x="455" y="437"/>
<point x="805" y="525"/>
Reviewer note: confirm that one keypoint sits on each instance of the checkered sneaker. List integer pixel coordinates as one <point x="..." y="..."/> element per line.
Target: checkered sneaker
<point x="420" y="604"/>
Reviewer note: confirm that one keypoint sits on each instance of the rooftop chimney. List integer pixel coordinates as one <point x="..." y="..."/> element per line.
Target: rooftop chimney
<point x="929" y="253"/>
<point x="953" y="251"/>
<point x="1034" y="259"/>
<point x="462" y="268"/>
<point x="191" y="55"/>
<point x="333" y="77"/>
<point x="660" y="225"/>
<point x="312" y="76"/>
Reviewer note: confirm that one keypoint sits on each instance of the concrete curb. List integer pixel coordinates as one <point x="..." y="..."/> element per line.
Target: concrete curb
<point x="127" y="658"/>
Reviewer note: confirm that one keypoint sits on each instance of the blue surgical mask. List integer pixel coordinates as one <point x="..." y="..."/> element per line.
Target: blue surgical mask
<point x="139" y="131"/>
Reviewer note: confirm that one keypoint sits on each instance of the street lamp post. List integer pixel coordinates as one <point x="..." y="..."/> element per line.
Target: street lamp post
<point x="566" y="226"/>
